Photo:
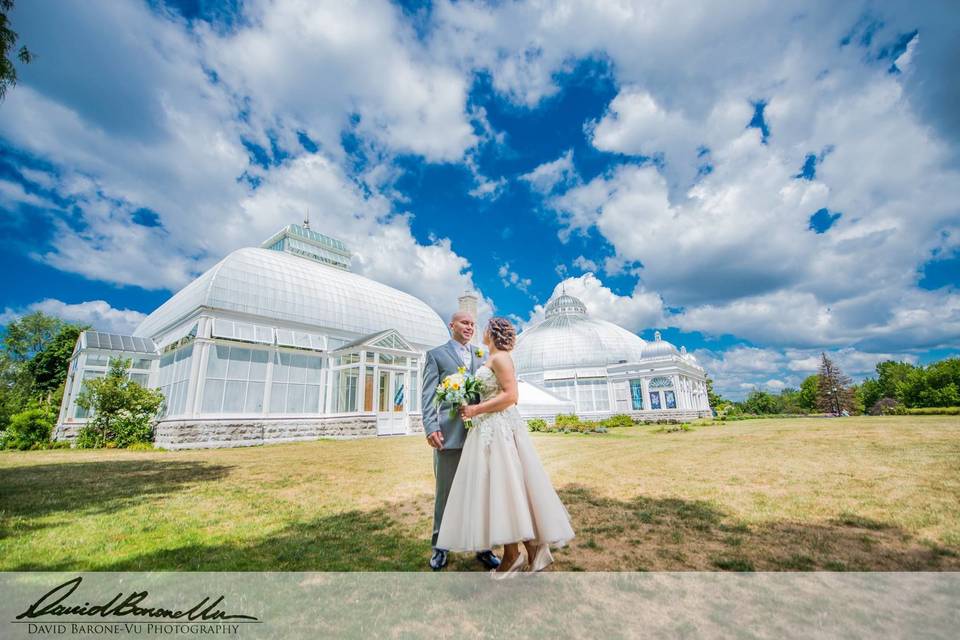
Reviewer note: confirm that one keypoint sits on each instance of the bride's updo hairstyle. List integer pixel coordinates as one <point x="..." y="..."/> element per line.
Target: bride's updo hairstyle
<point x="502" y="333"/>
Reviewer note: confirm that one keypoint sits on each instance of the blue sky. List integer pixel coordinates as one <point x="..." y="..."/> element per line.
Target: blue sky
<point x="759" y="183"/>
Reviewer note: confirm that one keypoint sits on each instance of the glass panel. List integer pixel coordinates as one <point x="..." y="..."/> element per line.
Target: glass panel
<point x="233" y="396"/>
<point x="636" y="395"/>
<point x="258" y="365"/>
<point x="141" y="363"/>
<point x="368" y="390"/>
<point x="314" y="367"/>
<point x="386" y="358"/>
<point x="281" y="367"/>
<point x="97" y="360"/>
<point x="654" y="399"/>
<point x="312" y="399"/>
<point x="212" y="396"/>
<point x="347" y="391"/>
<point x="254" y="401"/>
<point x="217" y="362"/>
<point x="239" y="366"/>
<point x="295" y="395"/>
<point x="140" y="378"/>
<point x="298" y="368"/>
<point x="398" y="391"/>
<point x="670" y="399"/>
<point x="278" y="397"/>
<point x="383" y="391"/>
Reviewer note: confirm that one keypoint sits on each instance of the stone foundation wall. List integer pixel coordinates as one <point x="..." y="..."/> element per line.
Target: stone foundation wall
<point x="207" y="434"/>
<point x="415" y="423"/>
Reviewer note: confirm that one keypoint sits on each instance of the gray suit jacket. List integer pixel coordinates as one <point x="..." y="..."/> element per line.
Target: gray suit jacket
<point x="441" y="362"/>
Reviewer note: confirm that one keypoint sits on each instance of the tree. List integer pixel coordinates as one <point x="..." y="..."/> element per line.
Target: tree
<point x="8" y="40"/>
<point x="834" y="394"/>
<point x="808" y="393"/>
<point x="123" y="411"/>
<point x="27" y="336"/>
<point x="760" y="402"/>
<point x="48" y="368"/>
<point x="936" y="385"/>
<point x="891" y="377"/>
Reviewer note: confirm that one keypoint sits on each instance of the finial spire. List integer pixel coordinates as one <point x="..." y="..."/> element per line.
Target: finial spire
<point x="306" y="220"/>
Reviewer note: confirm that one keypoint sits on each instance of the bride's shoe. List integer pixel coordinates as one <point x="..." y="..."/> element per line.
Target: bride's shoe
<point x="541" y="559"/>
<point x="514" y="569"/>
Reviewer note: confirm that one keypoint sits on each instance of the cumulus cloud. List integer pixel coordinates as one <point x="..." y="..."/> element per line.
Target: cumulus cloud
<point x="635" y="312"/>
<point x="547" y="177"/>
<point x="740" y="369"/>
<point x="95" y="313"/>
<point x="222" y="136"/>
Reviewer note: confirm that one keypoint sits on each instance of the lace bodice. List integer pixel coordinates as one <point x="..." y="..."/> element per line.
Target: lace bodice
<point x="499" y="422"/>
<point x="491" y="386"/>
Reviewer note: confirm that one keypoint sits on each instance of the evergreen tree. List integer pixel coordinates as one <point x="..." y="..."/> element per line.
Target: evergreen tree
<point x="834" y="392"/>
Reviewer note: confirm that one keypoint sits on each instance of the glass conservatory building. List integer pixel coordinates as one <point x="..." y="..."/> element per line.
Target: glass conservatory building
<point x="604" y="369"/>
<point x="273" y="344"/>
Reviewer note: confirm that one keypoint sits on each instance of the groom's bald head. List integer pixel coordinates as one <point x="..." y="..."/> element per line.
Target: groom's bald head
<point x="462" y="326"/>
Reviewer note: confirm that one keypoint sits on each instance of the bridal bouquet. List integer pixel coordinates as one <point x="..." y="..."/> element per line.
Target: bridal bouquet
<point x="457" y="390"/>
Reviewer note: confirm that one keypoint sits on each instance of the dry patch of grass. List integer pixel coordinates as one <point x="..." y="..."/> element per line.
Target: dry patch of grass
<point x="806" y="494"/>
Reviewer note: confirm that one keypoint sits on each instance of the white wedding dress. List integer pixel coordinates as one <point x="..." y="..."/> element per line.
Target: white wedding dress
<point x="501" y="493"/>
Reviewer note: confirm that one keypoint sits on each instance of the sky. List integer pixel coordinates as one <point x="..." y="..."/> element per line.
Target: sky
<point x="761" y="182"/>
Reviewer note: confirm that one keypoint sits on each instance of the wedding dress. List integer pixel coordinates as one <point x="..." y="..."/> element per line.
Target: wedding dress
<point x="501" y="493"/>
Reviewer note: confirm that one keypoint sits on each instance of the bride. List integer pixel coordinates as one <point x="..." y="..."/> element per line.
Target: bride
<point x="501" y="493"/>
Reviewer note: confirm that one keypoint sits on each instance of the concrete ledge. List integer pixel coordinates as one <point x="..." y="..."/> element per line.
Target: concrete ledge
<point x="197" y="433"/>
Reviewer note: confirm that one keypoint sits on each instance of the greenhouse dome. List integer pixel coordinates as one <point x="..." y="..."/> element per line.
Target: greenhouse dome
<point x="568" y="338"/>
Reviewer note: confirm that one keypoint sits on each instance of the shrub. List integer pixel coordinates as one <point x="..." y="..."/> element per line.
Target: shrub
<point x="567" y="420"/>
<point x="537" y="424"/>
<point x="932" y="411"/>
<point x="124" y="412"/>
<point x="886" y="407"/>
<point x="619" y="420"/>
<point x="29" y="428"/>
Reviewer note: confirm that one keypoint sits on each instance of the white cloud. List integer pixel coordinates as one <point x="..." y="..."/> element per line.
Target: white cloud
<point x="635" y="312"/>
<point x="511" y="278"/>
<point x="311" y="66"/>
<point x="549" y="176"/>
<point x="96" y="313"/>
<point x="169" y="136"/>
<point x="585" y="264"/>
<point x="740" y="369"/>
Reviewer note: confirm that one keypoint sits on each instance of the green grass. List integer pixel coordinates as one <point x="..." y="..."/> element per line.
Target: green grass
<point x="872" y="493"/>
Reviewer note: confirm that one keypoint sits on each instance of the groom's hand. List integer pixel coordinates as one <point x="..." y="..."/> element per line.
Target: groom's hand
<point x="435" y="440"/>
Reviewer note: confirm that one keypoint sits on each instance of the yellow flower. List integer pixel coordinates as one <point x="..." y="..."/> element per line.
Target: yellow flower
<point x="479" y="353"/>
<point x="456" y="386"/>
<point x="462" y="370"/>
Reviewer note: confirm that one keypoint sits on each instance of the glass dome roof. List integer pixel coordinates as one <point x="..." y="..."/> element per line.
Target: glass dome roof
<point x="568" y="338"/>
<point x="283" y="287"/>
<point x="659" y="348"/>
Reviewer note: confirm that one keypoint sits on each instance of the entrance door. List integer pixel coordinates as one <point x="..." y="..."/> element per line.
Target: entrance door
<point x="391" y="403"/>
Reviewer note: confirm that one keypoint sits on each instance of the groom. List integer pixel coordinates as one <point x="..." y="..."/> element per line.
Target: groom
<point x="445" y="434"/>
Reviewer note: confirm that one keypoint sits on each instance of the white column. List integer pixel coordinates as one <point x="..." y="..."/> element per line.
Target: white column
<point x="645" y="388"/>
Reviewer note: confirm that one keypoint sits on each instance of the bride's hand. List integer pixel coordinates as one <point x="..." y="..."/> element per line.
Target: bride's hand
<point x="469" y="411"/>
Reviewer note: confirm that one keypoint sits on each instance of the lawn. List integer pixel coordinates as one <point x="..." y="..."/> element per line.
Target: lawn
<point x="874" y="494"/>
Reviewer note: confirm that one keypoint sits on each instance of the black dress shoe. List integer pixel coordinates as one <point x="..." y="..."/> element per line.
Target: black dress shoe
<point x="488" y="560"/>
<point x="438" y="560"/>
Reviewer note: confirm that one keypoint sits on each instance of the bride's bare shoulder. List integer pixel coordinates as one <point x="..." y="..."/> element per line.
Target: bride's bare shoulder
<point x="500" y="361"/>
